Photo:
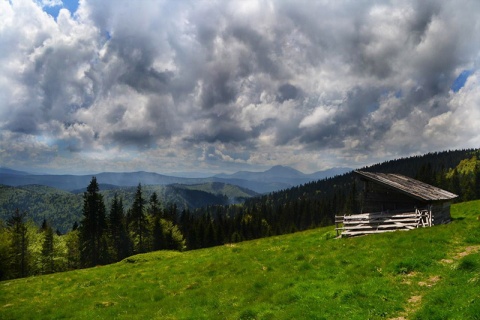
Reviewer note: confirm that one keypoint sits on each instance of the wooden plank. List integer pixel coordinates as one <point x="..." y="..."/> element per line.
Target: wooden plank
<point x="354" y="233"/>
<point x="359" y="228"/>
<point x="378" y="221"/>
<point x="381" y="217"/>
<point x="384" y="216"/>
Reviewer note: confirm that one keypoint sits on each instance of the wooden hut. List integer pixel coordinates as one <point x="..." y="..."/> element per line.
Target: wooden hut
<point x="393" y="202"/>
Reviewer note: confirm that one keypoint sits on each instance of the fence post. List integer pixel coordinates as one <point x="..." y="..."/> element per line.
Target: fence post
<point x="430" y="215"/>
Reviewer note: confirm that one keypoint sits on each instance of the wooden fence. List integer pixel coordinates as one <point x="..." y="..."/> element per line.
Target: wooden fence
<point x="379" y="222"/>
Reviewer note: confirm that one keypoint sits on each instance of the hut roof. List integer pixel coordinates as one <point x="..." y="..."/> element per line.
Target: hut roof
<point x="409" y="186"/>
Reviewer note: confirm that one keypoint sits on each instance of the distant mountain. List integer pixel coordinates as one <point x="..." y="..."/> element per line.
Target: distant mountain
<point x="12" y="172"/>
<point x="320" y="175"/>
<point x="286" y="176"/>
<point x="78" y="182"/>
<point x="274" y="179"/>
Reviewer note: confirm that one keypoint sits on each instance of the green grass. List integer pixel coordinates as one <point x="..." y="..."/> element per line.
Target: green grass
<point x="429" y="273"/>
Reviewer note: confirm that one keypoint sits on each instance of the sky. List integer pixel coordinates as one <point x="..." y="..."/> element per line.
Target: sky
<point x="220" y="86"/>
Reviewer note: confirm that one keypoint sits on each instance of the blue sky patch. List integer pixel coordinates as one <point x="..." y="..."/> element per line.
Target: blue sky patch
<point x="71" y="5"/>
<point x="460" y="81"/>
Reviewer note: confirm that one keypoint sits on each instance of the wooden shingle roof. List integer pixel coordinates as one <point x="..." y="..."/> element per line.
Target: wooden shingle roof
<point x="409" y="186"/>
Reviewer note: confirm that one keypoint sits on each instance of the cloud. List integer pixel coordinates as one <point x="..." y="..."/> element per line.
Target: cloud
<point x="228" y="84"/>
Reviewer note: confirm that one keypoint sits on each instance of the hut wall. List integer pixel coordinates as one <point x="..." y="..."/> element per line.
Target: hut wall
<point x="441" y="213"/>
<point x="379" y="198"/>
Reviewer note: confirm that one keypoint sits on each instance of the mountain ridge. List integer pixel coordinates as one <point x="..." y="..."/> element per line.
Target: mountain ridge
<point x="273" y="179"/>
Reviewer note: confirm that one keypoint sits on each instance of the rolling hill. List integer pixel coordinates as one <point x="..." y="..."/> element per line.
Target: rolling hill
<point x="428" y="273"/>
<point x="62" y="208"/>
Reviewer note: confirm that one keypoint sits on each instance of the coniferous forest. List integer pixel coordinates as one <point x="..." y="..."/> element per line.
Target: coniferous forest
<point x="110" y="232"/>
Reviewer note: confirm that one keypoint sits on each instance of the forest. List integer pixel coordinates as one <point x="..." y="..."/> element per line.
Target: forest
<point x="109" y="231"/>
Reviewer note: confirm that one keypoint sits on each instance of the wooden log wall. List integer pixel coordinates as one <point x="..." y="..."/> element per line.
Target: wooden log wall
<point x="380" y="222"/>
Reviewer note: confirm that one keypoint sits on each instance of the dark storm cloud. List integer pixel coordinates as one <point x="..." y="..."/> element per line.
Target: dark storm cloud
<point x="286" y="92"/>
<point x="225" y="132"/>
<point x="348" y="120"/>
<point x="142" y="139"/>
<point x="341" y="76"/>
<point x="217" y="90"/>
<point x="137" y="54"/>
<point x="116" y="114"/>
<point x="22" y="121"/>
<point x="261" y="51"/>
<point x="147" y="80"/>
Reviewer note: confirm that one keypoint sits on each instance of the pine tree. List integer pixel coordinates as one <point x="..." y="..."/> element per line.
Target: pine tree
<point x="19" y="244"/>
<point x="120" y="242"/>
<point x="155" y="215"/>
<point x="44" y="225"/>
<point x="48" y="251"/>
<point x="93" y="227"/>
<point x="455" y="183"/>
<point x="138" y="224"/>
<point x="154" y="206"/>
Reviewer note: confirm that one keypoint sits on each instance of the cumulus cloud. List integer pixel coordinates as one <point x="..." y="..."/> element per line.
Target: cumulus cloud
<point x="236" y="84"/>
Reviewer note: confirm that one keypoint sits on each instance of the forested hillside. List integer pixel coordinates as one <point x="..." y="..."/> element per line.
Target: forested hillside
<point x="62" y="208"/>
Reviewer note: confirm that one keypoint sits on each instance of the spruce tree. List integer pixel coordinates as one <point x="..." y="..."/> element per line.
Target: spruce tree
<point x="44" y="225"/>
<point x="155" y="215"/>
<point x="138" y="224"/>
<point x="19" y="254"/>
<point x="154" y="206"/>
<point x="158" y="238"/>
<point x="120" y="244"/>
<point x="48" y="251"/>
<point x="93" y="227"/>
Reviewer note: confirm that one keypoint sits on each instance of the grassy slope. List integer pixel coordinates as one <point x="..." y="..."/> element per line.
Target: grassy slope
<point x="422" y="274"/>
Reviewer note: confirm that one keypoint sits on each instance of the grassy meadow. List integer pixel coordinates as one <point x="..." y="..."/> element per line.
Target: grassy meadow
<point x="431" y="273"/>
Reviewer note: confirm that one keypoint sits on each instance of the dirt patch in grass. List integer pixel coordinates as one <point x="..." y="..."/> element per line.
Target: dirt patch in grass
<point x="430" y="281"/>
<point x="415" y="299"/>
<point x="413" y="305"/>
<point x="468" y="250"/>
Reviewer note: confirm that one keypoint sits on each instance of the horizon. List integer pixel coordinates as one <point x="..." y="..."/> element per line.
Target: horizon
<point x="185" y="174"/>
<point x="207" y="87"/>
